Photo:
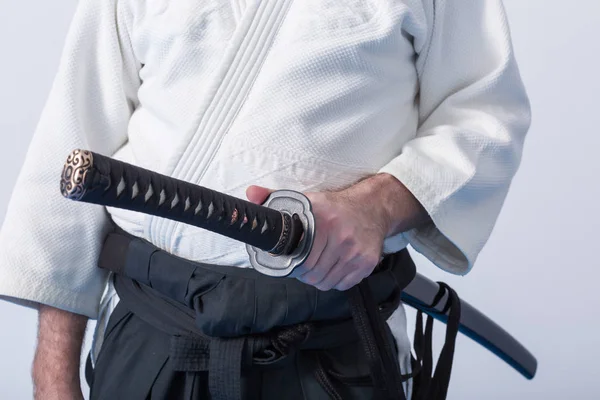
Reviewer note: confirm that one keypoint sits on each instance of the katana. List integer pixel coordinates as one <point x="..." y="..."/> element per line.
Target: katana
<point x="278" y="235"/>
<point x="271" y="230"/>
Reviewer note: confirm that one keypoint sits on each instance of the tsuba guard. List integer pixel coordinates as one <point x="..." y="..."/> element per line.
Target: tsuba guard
<point x="288" y="202"/>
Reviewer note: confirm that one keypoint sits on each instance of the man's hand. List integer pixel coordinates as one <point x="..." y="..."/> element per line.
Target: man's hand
<point x="351" y="226"/>
<point x="57" y="357"/>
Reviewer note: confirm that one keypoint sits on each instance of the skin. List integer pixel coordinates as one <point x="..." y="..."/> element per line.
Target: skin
<point x="351" y="225"/>
<point x="56" y="363"/>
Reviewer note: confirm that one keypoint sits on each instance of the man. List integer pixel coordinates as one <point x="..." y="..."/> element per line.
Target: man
<point x="403" y="121"/>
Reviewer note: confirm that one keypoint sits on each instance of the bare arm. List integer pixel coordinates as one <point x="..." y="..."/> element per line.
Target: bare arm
<point x="397" y="210"/>
<point x="57" y="357"/>
<point x="90" y="105"/>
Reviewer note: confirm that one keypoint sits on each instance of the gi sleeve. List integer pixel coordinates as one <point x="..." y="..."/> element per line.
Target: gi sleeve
<point x="473" y="117"/>
<point x="49" y="246"/>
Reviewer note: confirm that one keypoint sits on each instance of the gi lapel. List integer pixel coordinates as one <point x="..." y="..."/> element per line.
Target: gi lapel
<point x="247" y="51"/>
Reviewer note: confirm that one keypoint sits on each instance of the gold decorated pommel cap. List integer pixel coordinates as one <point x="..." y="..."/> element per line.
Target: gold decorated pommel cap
<point x="72" y="180"/>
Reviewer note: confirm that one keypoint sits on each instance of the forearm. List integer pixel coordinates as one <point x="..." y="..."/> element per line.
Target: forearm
<point x="397" y="208"/>
<point x="57" y="357"/>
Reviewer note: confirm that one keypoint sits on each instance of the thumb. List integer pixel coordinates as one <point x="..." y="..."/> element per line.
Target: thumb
<point x="257" y="194"/>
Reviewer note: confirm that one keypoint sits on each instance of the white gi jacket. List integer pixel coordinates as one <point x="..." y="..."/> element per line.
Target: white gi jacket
<point x="305" y="95"/>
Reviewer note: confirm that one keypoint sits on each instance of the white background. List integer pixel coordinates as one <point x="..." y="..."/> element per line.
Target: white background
<point x="537" y="277"/>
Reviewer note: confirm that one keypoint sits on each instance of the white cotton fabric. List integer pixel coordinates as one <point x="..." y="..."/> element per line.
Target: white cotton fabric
<point x="306" y="95"/>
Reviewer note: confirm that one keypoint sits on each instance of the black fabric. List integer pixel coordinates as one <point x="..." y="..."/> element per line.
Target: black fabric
<point x="143" y="372"/>
<point x="224" y="377"/>
<point x="179" y="367"/>
<point x="426" y="387"/>
<point x="186" y="330"/>
<point x="383" y="359"/>
<point x="89" y="370"/>
<point x="260" y="303"/>
<point x="115" y="183"/>
<point x="223" y="323"/>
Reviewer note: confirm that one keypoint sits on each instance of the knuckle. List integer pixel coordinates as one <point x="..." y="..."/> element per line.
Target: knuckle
<point x="307" y="278"/>
<point x="351" y="268"/>
<point x="351" y="255"/>
<point x="333" y="219"/>
<point x="346" y="261"/>
<point x="347" y="238"/>
<point x="311" y="261"/>
<point x="299" y="272"/>
<point x="314" y="276"/>
<point x="371" y="260"/>
<point x="323" y="224"/>
<point x="324" y="287"/>
<point x="343" y="286"/>
<point x="305" y="268"/>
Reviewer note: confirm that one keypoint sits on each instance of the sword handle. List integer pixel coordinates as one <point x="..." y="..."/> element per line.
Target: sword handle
<point x="93" y="178"/>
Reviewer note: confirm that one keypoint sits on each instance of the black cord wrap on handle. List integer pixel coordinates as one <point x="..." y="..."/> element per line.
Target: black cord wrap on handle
<point x="93" y="178"/>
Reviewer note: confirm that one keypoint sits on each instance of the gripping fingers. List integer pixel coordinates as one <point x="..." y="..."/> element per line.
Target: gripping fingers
<point x="349" y="281"/>
<point x="328" y="259"/>
<point x="319" y="245"/>
<point x="335" y="275"/>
